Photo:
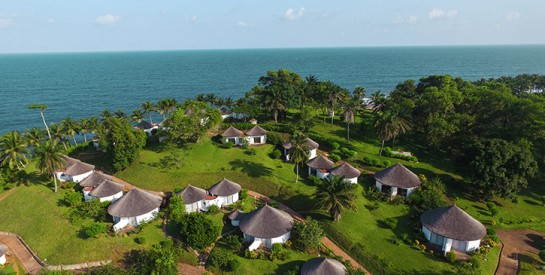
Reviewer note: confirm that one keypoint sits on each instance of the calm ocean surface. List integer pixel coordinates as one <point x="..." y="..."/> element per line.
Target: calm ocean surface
<point x="83" y="84"/>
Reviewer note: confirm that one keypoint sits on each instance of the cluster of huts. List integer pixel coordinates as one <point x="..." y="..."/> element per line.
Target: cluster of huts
<point x="221" y="194"/>
<point x="127" y="209"/>
<point x="254" y="136"/>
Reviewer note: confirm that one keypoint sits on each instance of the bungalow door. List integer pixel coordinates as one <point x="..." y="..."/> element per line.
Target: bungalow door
<point x="257" y="140"/>
<point x="459" y="245"/>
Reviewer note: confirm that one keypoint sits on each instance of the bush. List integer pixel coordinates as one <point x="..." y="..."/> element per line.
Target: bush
<point x="234" y="264"/>
<point x="273" y="138"/>
<point x="243" y="194"/>
<point x="334" y="157"/>
<point x="220" y="258"/>
<point x="197" y="230"/>
<point x="233" y="242"/>
<point x="95" y="229"/>
<point x="140" y="240"/>
<point x="244" y="143"/>
<point x="72" y="199"/>
<point x="213" y="209"/>
<point x="315" y="180"/>
<point x="391" y="223"/>
<point x="335" y="145"/>
<point x="228" y="144"/>
<point x="275" y="154"/>
<point x="542" y="255"/>
<point x="177" y="189"/>
<point x="494" y="211"/>
<point x="386" y="163"/>
<point x="307" y="236"/>
<point x="375" y="162"/>
<point x="451" y="257"/>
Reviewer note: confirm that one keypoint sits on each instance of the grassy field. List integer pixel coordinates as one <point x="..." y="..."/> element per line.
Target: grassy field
<point x="34" y="213"/>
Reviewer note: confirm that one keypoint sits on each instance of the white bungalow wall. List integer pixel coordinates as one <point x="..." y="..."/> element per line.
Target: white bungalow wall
<point x="111" y="198"/>
<point x="262" y="139"/>
<point x="78" y="178"/>
<point x="134" y="221"/>
<point x="193" y="207"/>
<point x="268" y="242"/>
<point x="393" y="190"/>
<point x="318" y="173"/>
<point x="312" y="154"/>
<point x="447" y="244"/>
<point x="3" y="259"/>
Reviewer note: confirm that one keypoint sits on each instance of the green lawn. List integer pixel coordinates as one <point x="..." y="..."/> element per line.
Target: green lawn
<point x="34" y="213"/>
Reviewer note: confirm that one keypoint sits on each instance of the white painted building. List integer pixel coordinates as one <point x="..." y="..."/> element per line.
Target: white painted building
<point x="452" y="228"/>
<point x="3" y="251"/>
<point x="397" y="180"/>
<point x="232" y="135"/>
<point x="319" y="166"/>
<point x="347" y="171"/>
<point x="256" y="135"/>
<point x="106" y="191"/>
<point x="311" y="146"/>
<point x="134" y="208"/>
<point x="193" y="198"/>
<point x="226" y="192"/>
<point x="74" y="170"/>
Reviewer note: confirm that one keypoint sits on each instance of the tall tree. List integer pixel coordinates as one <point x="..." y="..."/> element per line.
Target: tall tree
<point x="71" y="127"/>
<point x="120" y="114"/>
<point x="191" y="121"/>
<point x="148" y="107"/>
<point x="163" y="107"/>
<point x="336" y="94"/>
<point x="275" y="102"/>
<point x="84" y="127"/>
<point x="49" y="159"/>
<point x="298" y="151"/>
<point x="392" y="123"/>
<point x="379" y="101"/>
<point x="58" y="132"/>
<point x="33" y="136"/>
<point x="211" y="99"/>
<point x="104" y="114"/>
<point x="13" y="151"/>
<point x="41" y="108"/>
<point x="137" y="115"/>
<point x="334" y="195"/>
<point x="120" y="142"/>
<point x="351" y="107"/>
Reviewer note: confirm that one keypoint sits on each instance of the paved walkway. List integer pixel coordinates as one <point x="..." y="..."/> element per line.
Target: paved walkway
<point x="515" y="242"/>
<point x="325" y="240"/>
<point x="20" y="251"/>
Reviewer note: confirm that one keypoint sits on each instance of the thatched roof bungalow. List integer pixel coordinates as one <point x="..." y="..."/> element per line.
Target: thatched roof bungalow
<point x="323" y="266"/>
<point x="347" y="171"/>
<point x="233" y="135"/>
<point x="74" y="170"/>
<point x="257" y="135"/>
<point x="106" y="191"/>
<point x="193" y="198"/>
<point x="319" y="166"/>
<point x="226" y="191"/>
<point x="135" y="207"/>
<point x="397" y="180"/>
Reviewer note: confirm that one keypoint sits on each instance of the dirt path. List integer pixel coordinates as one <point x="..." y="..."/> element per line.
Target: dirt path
<point x="19" y="250"/>
<point x="130" y="186"/>
<point x="187" y="269"/>
<point x="5" y="194"/>
<point x="515" y="242"/>
<point x="325" y="240"/>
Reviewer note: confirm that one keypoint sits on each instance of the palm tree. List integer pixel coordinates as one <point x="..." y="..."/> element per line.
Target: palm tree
<point x="163" y="107"/>
<point x="105" y="114"/>
<point x="298" y="151"/>
<point x="42" y="108"/>
<point x="33" y="136"/>
<point x="391" y="123"/>
<point x="228" y="102"/>
<point x="275" y="101"/>
<point x="71" y="128"/>
<point x="351" y="108"/>
<point x="93" y="125"/>
<point x="120" y="114"/>
<point x="58" y="132"/>
<point x="210" y="98"/>
<point x="334" y="195"/>
<point x="84" y="127"/>
<point x="308" y="89"/>
<point x="171" y="105"/>
<point x="379" y="101"/>
<point x="137" y="115"/>
<point x="200" y="97"/>
<point x="49" y="159"/>
<point x="14" y="151"/>
<point x="359" y="92"/>
<point x="148" y="108"/>
<point x="336" y="93"/>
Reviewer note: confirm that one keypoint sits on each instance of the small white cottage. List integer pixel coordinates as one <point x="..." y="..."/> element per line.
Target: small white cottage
<point x="452" y="228"/>
<point x="233" y="135"/>
<point x="311" y="146"/>
<point x="256" y="135"/>
<point x="319" y="166"/>
<point x="146" y="127"/>
<point x="95" y="179"/>
<point x="3" y="251"/>
<point x="346" y="170"/>
<point x="74" y="170"/>
<point x="264" y="226"/>
<point x="193" y="198"/>
<point x="323" y="266"/>
<point x="397" y="180"/>
<point x="225" y="191"/>
<point x="134" y="208"/>
<point x="106" y="191"/>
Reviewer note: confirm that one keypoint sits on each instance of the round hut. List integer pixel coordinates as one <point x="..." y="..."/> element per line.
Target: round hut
<point x="452" y="228"/>
<point x="226" y="192"/>
<point x="323" y="266"/>
<point x="319" y="166"/>
<point x="397" y="180"/>
<point x="193" y="198"/>
<point x="135" y="207"/>
<point x="265" y="226"/>
<point x="347" y="171"/>
<point x="106" y="191"/>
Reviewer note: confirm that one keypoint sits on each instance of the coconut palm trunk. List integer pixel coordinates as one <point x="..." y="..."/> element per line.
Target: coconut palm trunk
<point x="74" y="139"/>
<point x="46" y="128"/>
<point x="381" y="148"/>
<point x="55" y="181"/>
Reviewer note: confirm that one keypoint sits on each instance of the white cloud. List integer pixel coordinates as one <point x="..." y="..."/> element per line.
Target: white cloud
<point x="108" y="19"/>
<point x="412" y="19"/>
<point x="439" y="13"/>
<point x="5" y="23"/>
<point x="292" y="14"/>
<point x="244" y="24"/>
<point x="405" y="20"/>
<point x="512" y="15"/>
<point x="193" y="18"/>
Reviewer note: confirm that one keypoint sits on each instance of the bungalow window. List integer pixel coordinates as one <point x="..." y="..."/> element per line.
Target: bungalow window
<point x="257" y="139"/>
<point x="402" y="192"/>
<point x="232" y="140"/>
<point x="436" y="239"/>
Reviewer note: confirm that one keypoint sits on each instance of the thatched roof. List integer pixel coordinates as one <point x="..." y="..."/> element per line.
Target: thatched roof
<point x="143" y="125"/>
<point x="68" y="161"/>
<point x="224" y="188"/>
<point x="232" y="132"/>
<point x="266" y="222"/>
<point x="94" y="179"/>
<point x="256" y="131"/>
<point x="323" y="266"/>
<point x="320" y="162"/>
<point x="192" y="194"/>
<point x="106" y="189"/>
<point x="135" y="203"/>
<point x="3" y="249"/>
<point x="345" y="170"/>
<point x="453" y="222"/>
<point x="236" y="215"/>
<point x="74" y="167"/>
<point x="398" y="176"/>
<point x="310" y="144"/>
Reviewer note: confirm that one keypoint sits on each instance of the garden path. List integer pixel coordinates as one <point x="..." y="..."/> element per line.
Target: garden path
<point x="515" y="242"/>
<point x="325" y="240"/>
<point x="20" y="251"/>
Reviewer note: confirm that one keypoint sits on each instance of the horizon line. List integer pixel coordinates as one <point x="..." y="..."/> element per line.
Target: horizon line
<point x="272" y="48"/>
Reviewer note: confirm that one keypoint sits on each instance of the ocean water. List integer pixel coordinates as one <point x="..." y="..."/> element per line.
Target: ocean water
<point x="82" y="84"/>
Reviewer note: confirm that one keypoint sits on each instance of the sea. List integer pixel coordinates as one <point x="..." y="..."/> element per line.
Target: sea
<point x="80" y="85"/>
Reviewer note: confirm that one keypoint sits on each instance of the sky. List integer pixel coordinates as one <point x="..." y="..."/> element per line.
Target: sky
<point x="135" y="25"/>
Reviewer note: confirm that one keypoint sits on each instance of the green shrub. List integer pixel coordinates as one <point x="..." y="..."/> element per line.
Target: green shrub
<point x="335" y="145"/>
<point x="244" y="143"/>
<point x="140" y="240"/>
<point x="494" y="211"/>
<point x="390" y="223"/>
<point x="413" y="159"/>
<point x="334" y="157"/>
<point x="233" y="242"/>
<point x="275" y="154"/>
<point x="451" y="257"/>
<point x="386" y="163"/>
<point x="177" y="189"/>
<point x="72" y="199"/>
<point x="344" y="150"/>
<point x="95" y="229"/>
<point x="233" y="264"/>
<point x="213" y="209"/>
<point x="375" y="162"/>
<point x="277" y="247"/>
<point x="273" y="138"/>
<point x="315" y="180"/>
<point x="243" y="194"/>
<point x="228" y="144"/>
<point x="220" y="258"/>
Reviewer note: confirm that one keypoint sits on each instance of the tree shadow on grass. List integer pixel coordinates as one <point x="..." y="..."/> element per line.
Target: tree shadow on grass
<point x="253" y="169"/>
<point x="289" y="266"/>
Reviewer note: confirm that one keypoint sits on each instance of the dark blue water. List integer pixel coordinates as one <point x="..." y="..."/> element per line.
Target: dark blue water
<point x="82" y="84"/>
